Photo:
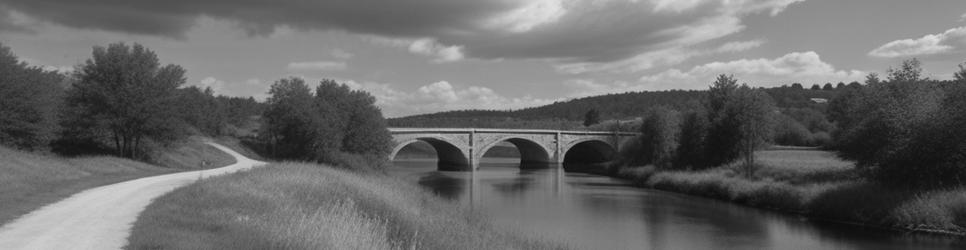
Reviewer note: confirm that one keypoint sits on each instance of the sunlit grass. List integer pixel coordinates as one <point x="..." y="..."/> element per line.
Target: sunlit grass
<point x="304" y="206"/>
<point x="818" y="184"/>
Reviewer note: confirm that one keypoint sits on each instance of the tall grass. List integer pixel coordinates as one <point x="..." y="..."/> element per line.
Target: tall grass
<point x="304" y="206"/>
<point x="817" y="184"/>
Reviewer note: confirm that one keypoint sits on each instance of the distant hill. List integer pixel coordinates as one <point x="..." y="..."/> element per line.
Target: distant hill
<point x="624" y="106"/>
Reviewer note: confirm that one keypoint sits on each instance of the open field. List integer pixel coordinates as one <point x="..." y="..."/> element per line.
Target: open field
<point x="817" y="184"/>
<point x="304" y="206"/>
<point x="31" y="180"/>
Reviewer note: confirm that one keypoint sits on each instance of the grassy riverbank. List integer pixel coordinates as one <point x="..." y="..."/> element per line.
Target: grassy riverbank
<point x="31" y="180"/>
<point x="305" y="206"/>
<point x="819" y="185"/>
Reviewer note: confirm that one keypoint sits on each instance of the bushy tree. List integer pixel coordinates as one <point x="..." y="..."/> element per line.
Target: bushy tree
<point x="740" y="120"/>
<point x="692" y="146"/>
<point x="30" y="98"/>
<point x="660" y="131"/>
<point x="591" y="117"/>
<point x="362" y="122"/>
<point x="907" y="131"/>
<point x="297" y="126"/>
<point x="202" y="110"/>
<point x="124" y="93"/>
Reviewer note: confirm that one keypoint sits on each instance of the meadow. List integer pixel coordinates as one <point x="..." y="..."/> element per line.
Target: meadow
<point x="34" y="179"/>
<point x="308" y="206"/>
<point x="818" y="185"/>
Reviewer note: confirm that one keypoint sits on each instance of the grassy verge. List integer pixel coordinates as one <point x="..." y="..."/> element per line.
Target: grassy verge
<point x="29" y="181"/>
<point x="303" y="206"/>
<point x="816" y="184"/>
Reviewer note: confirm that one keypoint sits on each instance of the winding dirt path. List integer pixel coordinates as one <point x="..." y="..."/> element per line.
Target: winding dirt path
<point x="101" y="218"/>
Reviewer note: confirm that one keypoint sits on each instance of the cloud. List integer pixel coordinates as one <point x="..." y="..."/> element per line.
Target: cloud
<point x="802" y="67"/>
<point x="649" y="60"/>
<point x="739" y="46"/>
<point x="441" y="96"/>
<point x="962" y="18"/>
<point x="253" y="87"/>
<point x="567" y="31"/>
<point x="341" y="54"/>
<point x="317" y="66"/>
<point x="952" y="40"/>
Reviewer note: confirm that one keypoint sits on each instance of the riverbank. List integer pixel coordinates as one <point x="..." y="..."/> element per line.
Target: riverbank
<point x="306" y="206"/>
<point x="32" y="180"/>
<point x="818" y="185"/>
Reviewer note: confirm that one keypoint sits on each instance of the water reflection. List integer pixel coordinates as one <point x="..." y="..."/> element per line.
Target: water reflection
<point x="594" y="212"/>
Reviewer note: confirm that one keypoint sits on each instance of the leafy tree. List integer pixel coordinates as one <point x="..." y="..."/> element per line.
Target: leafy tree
<point x="124" y="93"/>
<point x="591" y="117"/>
<point x="297" y="126"/>
<point x="816" y="87"/>
<point x="910" y="71"/>
<point x="202" y="110"/>
<point x="960" y="76"/>
<point x="840" y="85"/>
<point x="691" y="151"/>
<point x="660" y="130"/>
<point x="828" y="86"/>
<point x="29" y="101"/>
<point x="740" y="121"/>
<point x="797" y="86"/>
<point x="362" y="122"/>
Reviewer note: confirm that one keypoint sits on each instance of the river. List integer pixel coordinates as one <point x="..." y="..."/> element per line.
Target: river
<point x="595" y="212"/>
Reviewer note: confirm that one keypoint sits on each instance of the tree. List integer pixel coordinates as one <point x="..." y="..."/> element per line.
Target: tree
<point x="297" y="126"/>
<point x="591" y="117"/>
<point x="125" y="92"/>
<point x="659" y="136"/>
<point x="740" y="121"/>
<point x="909" y="71"/>
<point x="30" y="98"/>
<point x="960" y="76"/>
<point x="816" y="87"/>
<point x="361" y="121"/>
<point x="691" y="151"/>
<point x="797" y="86"/>
<point x="828" y="86"/>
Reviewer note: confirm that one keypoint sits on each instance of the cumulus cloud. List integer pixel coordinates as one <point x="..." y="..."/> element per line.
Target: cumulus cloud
<point x="952" y="40"/>
<point x="569" y="31"/>
<point x="317" y="66"/>
<point x="440" y="96"/>
<point x="803" y="67"/>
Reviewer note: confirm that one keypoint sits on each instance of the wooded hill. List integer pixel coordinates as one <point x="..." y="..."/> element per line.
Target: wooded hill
<point x="623" y="106"/>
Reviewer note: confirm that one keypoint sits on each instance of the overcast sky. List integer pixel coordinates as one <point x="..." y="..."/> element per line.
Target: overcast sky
<point x="419" y="56"/>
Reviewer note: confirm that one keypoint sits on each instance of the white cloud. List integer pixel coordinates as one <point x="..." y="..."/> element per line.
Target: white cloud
<point x="528" y="16"/>
<point x="952" y="40"/>
<point x="317" y="66"/>
<point x="803" y="67"/>
<point x="962" y="18"/>
<point x="341" y="54"/>
<point x="441" y="96"/>
<point x="441" y="53"/>
<point x="739" y="46"/>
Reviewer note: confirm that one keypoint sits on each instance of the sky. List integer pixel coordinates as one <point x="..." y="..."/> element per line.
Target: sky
<point x="423" y="56"/>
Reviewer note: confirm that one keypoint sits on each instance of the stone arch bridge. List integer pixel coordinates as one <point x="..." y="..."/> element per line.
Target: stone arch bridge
<point x="462" y="148"/>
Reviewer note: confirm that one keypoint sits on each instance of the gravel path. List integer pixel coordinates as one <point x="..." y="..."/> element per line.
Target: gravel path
<point x="101" y="218"/>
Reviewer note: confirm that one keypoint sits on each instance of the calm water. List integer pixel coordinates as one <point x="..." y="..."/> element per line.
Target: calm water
<point x="594" y="212"/>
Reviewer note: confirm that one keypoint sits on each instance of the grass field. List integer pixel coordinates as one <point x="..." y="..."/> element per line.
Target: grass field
<point x="32" y="180"/>
<point x="817" y="184"/>
<point x="303" y="206"/>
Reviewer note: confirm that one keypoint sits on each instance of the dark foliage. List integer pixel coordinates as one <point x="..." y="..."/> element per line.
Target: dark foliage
<point x="30" y="98"/>
<point x="592" y="117"/>
<point x="122" y="97"/>
<point x="660" y="130"/>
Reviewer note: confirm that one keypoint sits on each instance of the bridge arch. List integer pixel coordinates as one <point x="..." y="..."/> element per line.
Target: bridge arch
<point x="532" y="154"/>
<point x="450" y="156"/>
<point x="589" y="152"/>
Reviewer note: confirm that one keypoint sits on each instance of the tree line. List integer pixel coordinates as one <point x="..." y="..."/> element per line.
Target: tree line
<point x="905" y="130"/>
<point x="120" y="101"/>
